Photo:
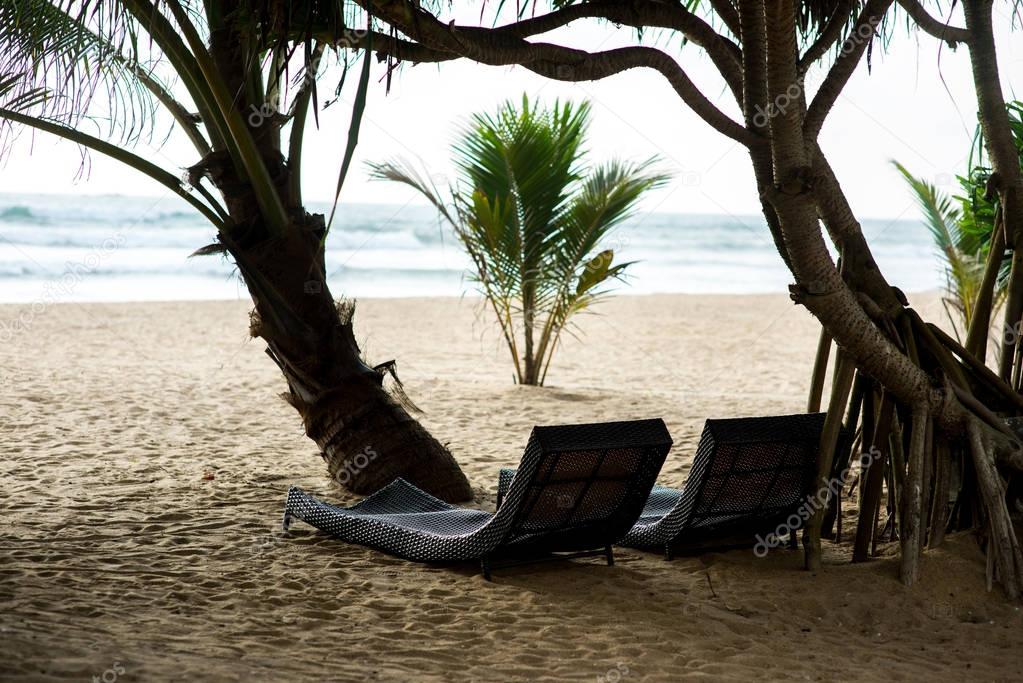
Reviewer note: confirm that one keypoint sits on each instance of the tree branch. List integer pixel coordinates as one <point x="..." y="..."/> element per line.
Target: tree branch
<point x="852" y="50"/>
<point x="726" y="12"/>
<point x="641" y="14"/>
<point x="498" y="47"/>
<point x="725" y="54"/>
<point x="386" y="44"/>
<point x="952" y="35"/>
<point x="598" y="65"/>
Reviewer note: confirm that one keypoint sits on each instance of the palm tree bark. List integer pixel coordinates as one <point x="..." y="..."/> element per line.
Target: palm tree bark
<point x="366" y="436"/>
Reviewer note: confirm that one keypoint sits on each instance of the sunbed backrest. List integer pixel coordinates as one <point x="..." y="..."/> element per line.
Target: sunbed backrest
<point x="748" y="472"/>
<point x="577" y="483"/>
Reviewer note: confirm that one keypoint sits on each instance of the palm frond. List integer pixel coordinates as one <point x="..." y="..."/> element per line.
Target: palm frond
<point x="354" y="125"/>
<point x="15" y="97"/>
<point x="402" y="171"/>
<point x="964" y="269"/>
<point x="134" y="161"/>
<point x="607" y="197"/>
<point x="942" y="217"/>
<point x="86" y="58"/>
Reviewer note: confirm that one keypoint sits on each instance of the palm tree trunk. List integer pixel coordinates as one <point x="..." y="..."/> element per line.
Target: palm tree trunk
<point x="530" y="362"/>
<point x="365" y="435"/>
<point x="994" y="122"/>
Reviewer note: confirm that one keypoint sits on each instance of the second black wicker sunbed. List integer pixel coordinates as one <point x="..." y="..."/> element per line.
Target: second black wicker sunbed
<point x="579" y="489"/>
<point x="749" y="476"/>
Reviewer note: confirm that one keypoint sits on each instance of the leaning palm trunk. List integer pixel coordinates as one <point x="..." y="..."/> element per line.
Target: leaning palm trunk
<point x="883" y="342"/>
<point x="57" y="55"/>
<point x="366" y="436"/>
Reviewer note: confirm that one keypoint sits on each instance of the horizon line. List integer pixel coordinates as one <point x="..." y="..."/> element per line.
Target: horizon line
<point x="419" y="204"/>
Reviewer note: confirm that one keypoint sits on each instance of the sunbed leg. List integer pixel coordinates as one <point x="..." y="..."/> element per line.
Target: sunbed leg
<point x="669" y="554"/>
<point x="286" y="522"/>
<point x="485" y="566"/>
<point x="610" y="554"/>
<point x="793" y="540"/>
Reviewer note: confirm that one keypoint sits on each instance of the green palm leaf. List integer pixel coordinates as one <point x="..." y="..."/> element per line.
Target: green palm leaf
<point x="964" y="261"/>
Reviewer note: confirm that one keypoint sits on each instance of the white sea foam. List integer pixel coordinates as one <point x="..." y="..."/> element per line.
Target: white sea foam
<point x="384" y="250"/>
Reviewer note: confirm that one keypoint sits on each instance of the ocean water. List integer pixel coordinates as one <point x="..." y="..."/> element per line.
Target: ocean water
<point x="116" y="248"/>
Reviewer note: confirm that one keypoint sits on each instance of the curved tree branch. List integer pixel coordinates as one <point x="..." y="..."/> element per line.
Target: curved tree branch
<point x="952" y="35"/>
<point x="494" y="47"/>
<point x="852" y="50"/>
<point x="726" y="12"/>
<point x="639" y="14"/>
<point x="595" y="66"/>
<point x="722" y="51"/>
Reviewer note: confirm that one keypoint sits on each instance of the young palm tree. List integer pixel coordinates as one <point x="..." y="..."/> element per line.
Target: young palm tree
<point x="969" y="233"/>
<point x="239" y="79"/>
<point x="963" y="251"/>
<point x="534" y="219"/>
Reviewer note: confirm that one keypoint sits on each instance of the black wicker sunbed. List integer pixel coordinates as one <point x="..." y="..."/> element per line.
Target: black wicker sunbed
<point x="750" y="475"/>
<point x="579" y="489"/>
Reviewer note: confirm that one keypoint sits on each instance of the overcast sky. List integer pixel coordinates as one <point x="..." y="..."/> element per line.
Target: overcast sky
<point x="917" y="105"/>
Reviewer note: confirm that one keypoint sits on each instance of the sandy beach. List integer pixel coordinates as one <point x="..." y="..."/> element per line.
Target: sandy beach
<point x="146" y="456"/>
